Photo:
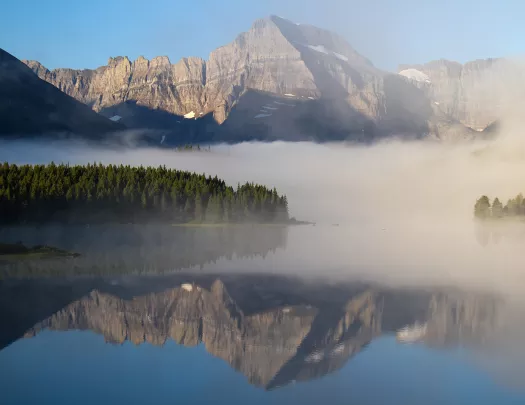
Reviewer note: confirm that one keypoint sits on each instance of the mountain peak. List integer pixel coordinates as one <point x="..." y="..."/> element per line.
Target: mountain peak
<point x="161" y="61"/>
<point x="319" y="40"/>
<point x="114" y="61"/>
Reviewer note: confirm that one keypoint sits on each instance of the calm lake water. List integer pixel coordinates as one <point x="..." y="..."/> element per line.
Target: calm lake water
<point x="79" y="367"/>
<point x="236" y="316"/>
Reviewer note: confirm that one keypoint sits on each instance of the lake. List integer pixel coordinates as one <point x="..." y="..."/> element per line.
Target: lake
<point x="237" y="315"/>
<point x="79" y="367"/>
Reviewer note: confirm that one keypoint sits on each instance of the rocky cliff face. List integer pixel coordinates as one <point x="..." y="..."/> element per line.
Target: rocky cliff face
<point x="476" y="93"/>
<point x="156" y="84"/>
<point x="310" y="83"/>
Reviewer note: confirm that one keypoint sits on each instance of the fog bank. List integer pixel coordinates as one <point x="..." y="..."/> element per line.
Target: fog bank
<point x="403" y="209"/>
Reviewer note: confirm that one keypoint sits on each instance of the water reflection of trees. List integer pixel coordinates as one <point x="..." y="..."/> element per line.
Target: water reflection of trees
<point x="497" y="232"/>
<point x="139" y="249"/>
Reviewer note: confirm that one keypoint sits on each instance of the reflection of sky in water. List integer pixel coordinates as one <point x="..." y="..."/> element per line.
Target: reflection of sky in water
<point x="79" y="367"/>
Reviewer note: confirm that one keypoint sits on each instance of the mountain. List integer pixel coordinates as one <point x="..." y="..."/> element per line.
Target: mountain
<point x="29" y="105"/>
<point x="279" y="80"/>
<point x="476" y="94"/>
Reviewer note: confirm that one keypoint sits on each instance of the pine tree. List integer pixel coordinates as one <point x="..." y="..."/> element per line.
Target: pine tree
<point x="214" y="210"/>
<point x="198" y="215"/>
<point x="497" y="208"/>
<point x="482" y="207"/>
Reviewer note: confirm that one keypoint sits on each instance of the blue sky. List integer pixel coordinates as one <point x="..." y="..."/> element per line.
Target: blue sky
<point x="83" y="34"/>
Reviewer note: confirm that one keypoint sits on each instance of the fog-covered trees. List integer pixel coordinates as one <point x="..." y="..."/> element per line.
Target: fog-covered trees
<point x="514" y="207"/>
<point x="482" y="207"/>
<point x="497" y="208"/>
<point x="98" y="193"/>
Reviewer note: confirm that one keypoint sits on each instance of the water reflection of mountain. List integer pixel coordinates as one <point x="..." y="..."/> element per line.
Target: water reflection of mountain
<point x="115" y="249"/>
<point x="275" y="330"/>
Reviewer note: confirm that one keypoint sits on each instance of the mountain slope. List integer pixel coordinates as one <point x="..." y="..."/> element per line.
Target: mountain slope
<point x="329" y="90"/>
<point x="29" y="105"/>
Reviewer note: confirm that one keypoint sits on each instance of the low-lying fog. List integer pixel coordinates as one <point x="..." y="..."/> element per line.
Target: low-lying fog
<point x="404" y="210"/>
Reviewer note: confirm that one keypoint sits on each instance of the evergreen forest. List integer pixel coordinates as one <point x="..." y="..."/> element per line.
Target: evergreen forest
<point x="97" y="193"/>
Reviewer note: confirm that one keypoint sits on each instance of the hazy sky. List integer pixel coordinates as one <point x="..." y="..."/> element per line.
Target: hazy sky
<point x="70" y="33"/>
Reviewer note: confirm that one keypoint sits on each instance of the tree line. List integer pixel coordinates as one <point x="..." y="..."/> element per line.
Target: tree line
<point x="485" y="209"/>
<point x="125" y="194"/>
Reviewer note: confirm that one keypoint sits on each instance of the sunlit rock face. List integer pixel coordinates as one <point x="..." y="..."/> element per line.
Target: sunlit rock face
<point x="310" y="82"/>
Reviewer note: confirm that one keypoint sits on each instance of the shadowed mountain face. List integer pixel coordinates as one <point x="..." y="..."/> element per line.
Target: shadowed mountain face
<point x="273" y="329"/>
<point x="29" y="105"/>
<point x="303" y="77"/>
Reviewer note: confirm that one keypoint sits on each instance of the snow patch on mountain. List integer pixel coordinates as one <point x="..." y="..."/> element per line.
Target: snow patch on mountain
<point x="286" y="104"/>
<point x="416" y="75"/>
<point x="326" y="51"/>
<point x="319" y="48"/>
<point x="339" y="56"/>
<point x="262" y="115"/>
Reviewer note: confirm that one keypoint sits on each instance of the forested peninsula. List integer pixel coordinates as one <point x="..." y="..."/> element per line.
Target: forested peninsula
<point x="97" y="193"/>
<point x="484" y="209"/>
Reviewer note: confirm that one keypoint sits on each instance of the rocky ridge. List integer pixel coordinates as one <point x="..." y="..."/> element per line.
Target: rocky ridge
<point x="309" y="84"/>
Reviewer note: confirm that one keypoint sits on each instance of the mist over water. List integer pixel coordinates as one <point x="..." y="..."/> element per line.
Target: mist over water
<point x="404" y="210"/>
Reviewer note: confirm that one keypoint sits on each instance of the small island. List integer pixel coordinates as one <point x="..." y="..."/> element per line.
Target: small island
<point x="17" y="251"/>
<point x="96" y="193"/>
<point x="484" y="209"/>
